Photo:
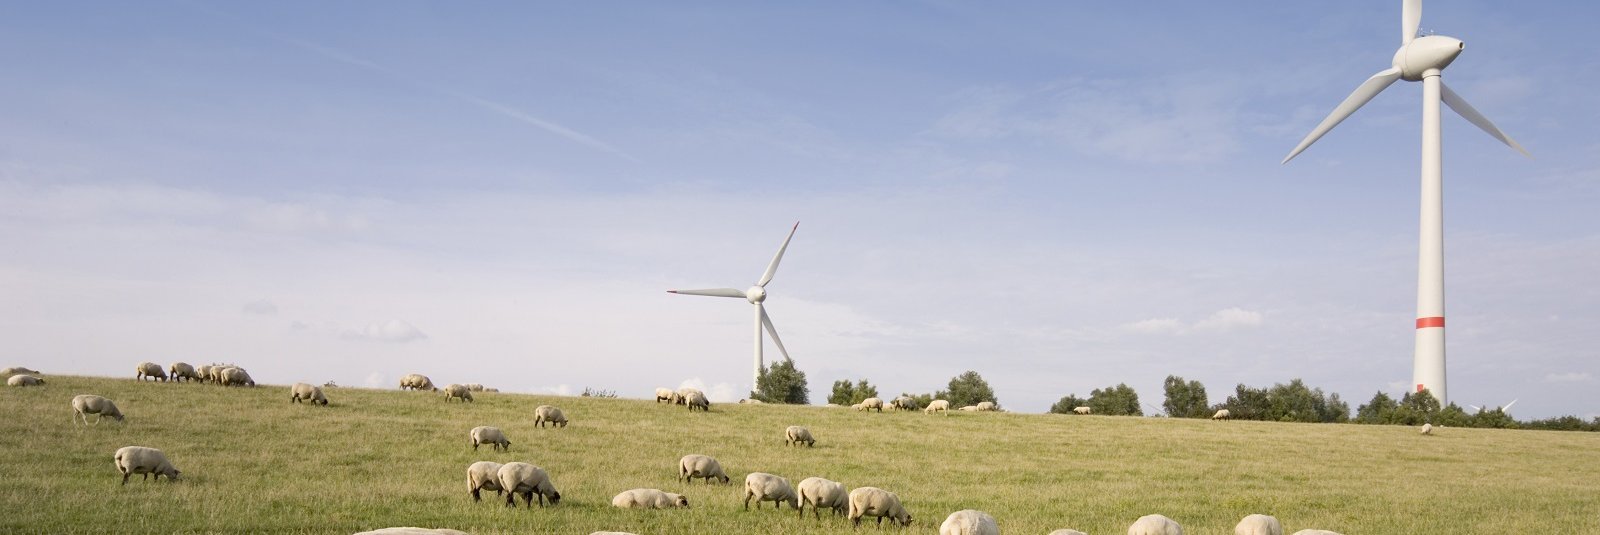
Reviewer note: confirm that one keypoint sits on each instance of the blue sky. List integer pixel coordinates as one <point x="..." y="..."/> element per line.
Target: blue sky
<point x="1061" y="196"/>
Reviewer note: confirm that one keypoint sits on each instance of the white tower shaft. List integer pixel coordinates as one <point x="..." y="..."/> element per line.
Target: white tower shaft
<point x="1428" y="361"/>
<point x="755" y="376"/>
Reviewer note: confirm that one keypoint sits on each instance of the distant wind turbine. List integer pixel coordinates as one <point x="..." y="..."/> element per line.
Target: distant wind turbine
<point x="1506" y="409"/>
<point x="755" y="295"/>
<point x="1421" y="59"/>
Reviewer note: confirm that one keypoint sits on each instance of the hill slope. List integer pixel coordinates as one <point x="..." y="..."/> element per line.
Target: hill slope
<point x="253" y="462"/>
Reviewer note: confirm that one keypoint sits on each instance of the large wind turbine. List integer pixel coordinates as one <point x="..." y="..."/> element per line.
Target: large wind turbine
<point x="1420" y="59"/>
<point x="755" y="295"/>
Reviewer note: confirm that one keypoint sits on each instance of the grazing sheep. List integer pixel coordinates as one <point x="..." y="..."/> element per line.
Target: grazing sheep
<point x="683" y="395"/>
<point x="1155" y="525"/>
<point x="818" y="493"/>
<point x="988" y="406"/>
<point x="413" y="531"/>
<point x="151" y="370"/>
<point x="1258" y="525"/>
<point x="751" y="401"/>
<point x="856" y="406"/>
<point x="938" y="405"/>
<point x="1314" y="532"/>
<point x="492" y="436"/>
<point x="1067" y="532"/>
<point x="18" y="369"/>
<point x="481" y="476"/>
<point x="491" y="390"/>
<point x="903" y="403"/>
<point x="528" y="480"/>
<point x="417" y="381"/>
<point x="455" y="391"/>
<point x="1082" y="410"/>
<point x="236" y="376"/>
<point x="1222" y="414"/>
<point x="870" y="404"/>
<point x="547" y="413"/>
<point x="873" y="501"/>
<point x="182" y="370"/>
<point x="970" y="408"/>
<point x="475" y="387"/>
<point x="648" y="499"/>
<point x="695" y="465"/>
<point x="306" y="392"/>
<point x="141" y="460"/>
<point x="763" y="486"/>
<point x="1427" y="429"/>
<point x="969" y="522"/>
<point x="24" y="380"/>
<point x="666" y="394"/>
<point x="697" y="399"/>
<point x="85" y="404"/>
<point x="794" y="435"/>
<point x="211" y="373"/>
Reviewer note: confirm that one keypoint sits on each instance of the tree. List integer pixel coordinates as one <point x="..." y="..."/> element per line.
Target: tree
<point x="1118" y="400"/>
<point x="919" y="400"/>
<point x="969" y="388"/>
<point x="782" y="383"/>
<point x="1066" y="404"/>
<point x="1416" y="408"/>
<point x="1378" y="411"/>
<point x="1185" y="399"/>
<point x="1247" y="403"/>
<point x="845" y="393"/>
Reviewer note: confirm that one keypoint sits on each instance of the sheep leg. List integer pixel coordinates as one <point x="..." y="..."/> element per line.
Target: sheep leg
<point x="125" y="477"/>
<point x="475" y="496"/>
<point x="747" y="496"/>
<point x="511" y="499"/>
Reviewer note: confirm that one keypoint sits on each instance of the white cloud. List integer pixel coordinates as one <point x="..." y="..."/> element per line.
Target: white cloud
<point x="559" y="390"/>
<point x="261" y="308"/>
<point x="376" y="380"/>
<point x="1224" y="320"/>
<point x="391" y="331"/>
<point x="1569" y="377"/>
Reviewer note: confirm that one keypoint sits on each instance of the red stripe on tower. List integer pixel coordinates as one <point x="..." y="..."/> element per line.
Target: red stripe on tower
<point x="1423" y="323"/>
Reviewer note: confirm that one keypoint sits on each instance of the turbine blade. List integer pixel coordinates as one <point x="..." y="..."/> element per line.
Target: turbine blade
<point x="1363" y="94"/>
<point x="1471" y="114"/>
<point x="1475" y="408"/>
<point x="766" y="321"/>
<point x="1410" y="20"/>
<point x="714" y="292"/>
<point x="772" y="269"/>
<point x="1508" y="406"/>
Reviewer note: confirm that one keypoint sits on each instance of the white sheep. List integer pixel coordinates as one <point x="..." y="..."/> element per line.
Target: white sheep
<point x="988" y="406"/>
<point x="666" y="394"/>
<point x="529" y="480"/>
<point x="1082" y="410"/>
<point x="794" y="435"/>
<point x="938" y="405"/>
<point x="751" y="401"/>
<point x="1427" y="429"/>
<point x="151" y="370"/>
<point x="697" y="399"/>
<point x="417" y="381"/>
<point x="182" y="370"/>
<point x="873" y="501"/>
<point x="481" y="476"/>
<point x="455" y="391"/>
<point x="1258" y="525"/>
<point x="649" y="499"/>
<point x="413" y="531"/>
<point x="18" y="369"/>
<point x="818" y="493"/>
<point x="1067" y="532"/>
<point x="870" y="404"/>
<point x="549" y="414"/>
<point x="210" y="373"/>
<point x="903" y="403"/>
<point x="307" y="392"/>
<point x="141" y="460"/>
<point x="695" y="465"/>
<point x="491" y="390"/>
<point x="969" y="408"/>
<point x="763" y="487"/>
<point x="969" y="522"/>
<point x="1221" y="414"/>
<point x="236" y="376"/>
<point x="24" y="380"/>
<point x="492" y="436"/>
<point x="1155" y="525"/>
<point x="683" y="394"/>
<point x="85" y="404"/>
<point x="475" y="387"/>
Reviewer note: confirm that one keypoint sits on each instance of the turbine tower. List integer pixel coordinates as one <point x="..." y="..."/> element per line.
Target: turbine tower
<point x="1421" y="59"/>
<point x="755" y="295"/>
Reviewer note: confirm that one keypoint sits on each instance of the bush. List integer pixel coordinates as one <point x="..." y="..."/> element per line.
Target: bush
<point x="969" y="388"/>
<point x="845" y="393"/>
<point x="782" y="383"/>
<point x="1185" y="399"/>
<point x="1118" y="400"/>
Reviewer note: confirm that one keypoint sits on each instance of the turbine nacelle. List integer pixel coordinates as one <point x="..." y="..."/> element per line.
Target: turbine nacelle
<point x="755" y="295"/>
<point x="1423" y="54"/>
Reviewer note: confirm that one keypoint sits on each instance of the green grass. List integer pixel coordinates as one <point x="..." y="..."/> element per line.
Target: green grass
<point x="253" y="462"/>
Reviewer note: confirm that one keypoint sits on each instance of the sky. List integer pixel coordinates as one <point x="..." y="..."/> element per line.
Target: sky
<point x="1061" y="196"/>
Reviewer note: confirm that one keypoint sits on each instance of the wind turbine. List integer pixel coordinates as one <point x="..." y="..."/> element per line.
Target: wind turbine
<point x="755" y="295"/>
<point x="1421" y="59"/>
<point x="1505" y="409"/>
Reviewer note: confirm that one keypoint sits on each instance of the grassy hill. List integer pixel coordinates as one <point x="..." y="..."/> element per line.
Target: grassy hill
<point x="253" y="462"/>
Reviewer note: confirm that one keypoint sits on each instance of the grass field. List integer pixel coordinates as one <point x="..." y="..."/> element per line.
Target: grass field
<point x="253" y="463"/>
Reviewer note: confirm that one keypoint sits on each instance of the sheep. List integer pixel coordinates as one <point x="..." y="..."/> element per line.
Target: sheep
<point x="413" y="531"/>
<point x="818" y="493"/>
<point x="85" y="404"/>
<point x="1067" y="532"/>
<point x="1082" y="410"/>
<point x="141" y="460"/>
<point x="211" y="373"/>
<point x="649" y="499"/>
<point x="492" y="436"/>
<point x="794" y="435"/>
<point x="151" y="370"/>
<point x="1155" y="525"/>
<point x="856" y="406"/>
<point x="666" y="394"/>
<point x="695" y="465"/>
<point x="1258" y="525"/>
<point x="763" y="486"/>
<point x="751" y="401"/>
<point x="683" y="395"/>
<point x="1427" y="429"/>
<point x="18" y="369"/>
<point x="988" y="406"/>
<point x="970" y="408"/>
<point x="938" y="405"/>
<point x="306" y="392"/>
<point x="236" y="376"/>
<point x="481" y="476"/>
<point x="697" y="399"/>
<point x="528" y="480"/>
<point x="24" y="380"/>
<point x="903" y="403"/>
<point x="1222" y="414"/>
<point x="182" y="370"/>
<point x="873" y="501"/>
<point x="475" y="387"/>
<point x="870" y="404"/>
<point x="491" y="390"/>
<point x="969" y="522"/>
<point x="455" y="391"/>
<point x="548" y="414"/>
<point x="417" y="381"/>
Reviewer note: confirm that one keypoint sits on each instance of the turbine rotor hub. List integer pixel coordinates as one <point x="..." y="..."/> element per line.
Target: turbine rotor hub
<point x="1428" y="53"/>
<point x="755" y="295"/>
